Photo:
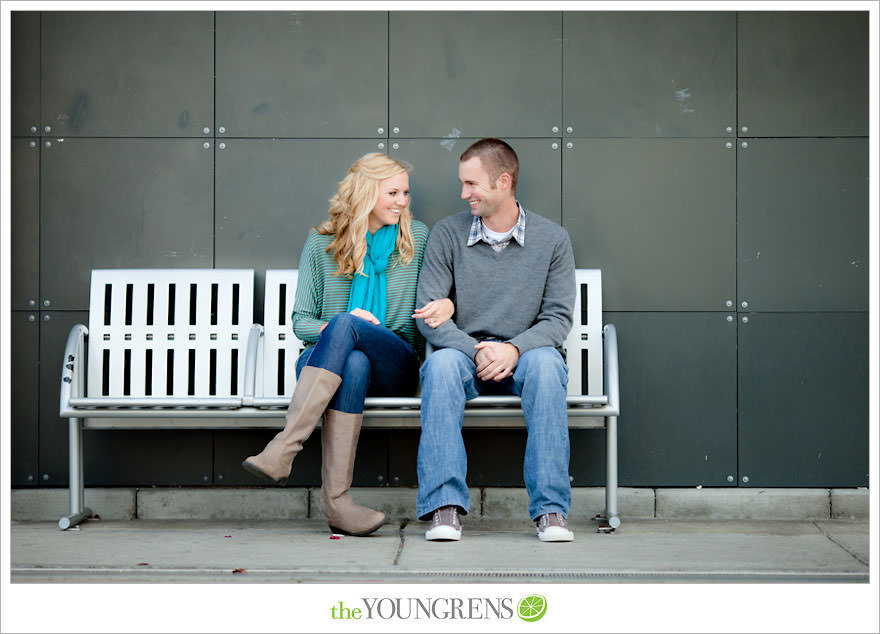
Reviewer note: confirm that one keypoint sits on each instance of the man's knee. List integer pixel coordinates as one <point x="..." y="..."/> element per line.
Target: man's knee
<point x="544" y="364"/>
<point x="446" y="364"/>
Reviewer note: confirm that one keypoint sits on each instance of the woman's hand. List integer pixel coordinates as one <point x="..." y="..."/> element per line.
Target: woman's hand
<point x="435" y="312"/>
<point x="365" y="314"/>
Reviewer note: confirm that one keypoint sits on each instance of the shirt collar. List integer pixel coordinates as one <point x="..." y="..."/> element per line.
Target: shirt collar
<point x="519" y="229"/>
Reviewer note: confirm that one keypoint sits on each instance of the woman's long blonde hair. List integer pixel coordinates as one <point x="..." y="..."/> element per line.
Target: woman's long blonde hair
<point x="350" y="208"/>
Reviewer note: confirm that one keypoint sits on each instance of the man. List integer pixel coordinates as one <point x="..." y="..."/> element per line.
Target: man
<point x="510" y="273"/>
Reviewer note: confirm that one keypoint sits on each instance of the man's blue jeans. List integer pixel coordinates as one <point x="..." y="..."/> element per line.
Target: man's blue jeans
<point x="371" y="360"/>
<point x="448" y="380"/>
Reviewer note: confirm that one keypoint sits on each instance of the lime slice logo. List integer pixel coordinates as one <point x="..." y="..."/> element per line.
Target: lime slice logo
<point x="532" y="608"/>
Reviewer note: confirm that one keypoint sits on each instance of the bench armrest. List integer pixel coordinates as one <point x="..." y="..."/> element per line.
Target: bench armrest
<point x="73" y="369"/>
<point x="612" y="384"/>
<point x="252" y="357"/>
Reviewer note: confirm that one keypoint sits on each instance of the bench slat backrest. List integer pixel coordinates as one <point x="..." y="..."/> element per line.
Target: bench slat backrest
<point x="281" y="347"/>
<point x="169" y="332"/>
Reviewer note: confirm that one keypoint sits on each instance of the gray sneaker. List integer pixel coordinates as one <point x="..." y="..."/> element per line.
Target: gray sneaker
<point x="552" y="527"/>
<point x="445" y="525"/>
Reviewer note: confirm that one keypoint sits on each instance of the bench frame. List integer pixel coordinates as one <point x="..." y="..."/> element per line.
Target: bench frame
<point x="252" y="407"/>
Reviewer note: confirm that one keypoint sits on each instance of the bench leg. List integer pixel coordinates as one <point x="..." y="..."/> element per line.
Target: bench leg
<point x="78" y="510"/>
<point x="609" y="520"/>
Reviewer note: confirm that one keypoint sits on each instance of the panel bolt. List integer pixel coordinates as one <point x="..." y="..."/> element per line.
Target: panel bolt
<point x="569" y="145"/>
<point x="380" y="478"/>
<point x="32" y="318"/>
<point x="32" y="144"/>
<point x="730" y="128"/>
<point x="746" y="479"/>
<point x="730" y="478"/>
<point x="32" y="302"/>
<point x="48" y="144"/>
<point x="745" y="320"/>
<point x="222" y="146"/>
<point x="569" y="129"/>
<point x="396" y="479"/>
<point x="206" y="145"/>
<point x="34" y="129"/>
<point x="555" y="129"/>
<point x="205" y="478"/>
<point x="381" y="146"/>
<point x="745" y="128"/>
<point x="395" y="129"/>
<point x="745" y="304"/>
<point x="45" y="476"/>
<point x="47" y="317"/>
<point x="728" y="145"/>
<point x="396" y="146"/>
<point x="555" y="146"/>
<point x="206" y="130"/>
<point x="380" y="131"/>
<point x="30" y="477"/>
<point x="46" y="303"/>
<point x="47" y="128"/>
<point x="729" y="303"/>
<point x="219" y="476"/>
<point x="729" y="318"/>
<point x="744" y="145"/>
<point x="222" y="129"/>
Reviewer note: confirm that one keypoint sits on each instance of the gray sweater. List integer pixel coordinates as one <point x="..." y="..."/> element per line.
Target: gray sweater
<point x="523" y="295"/>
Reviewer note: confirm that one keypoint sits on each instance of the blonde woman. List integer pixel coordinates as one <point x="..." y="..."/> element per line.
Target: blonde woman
<point x="355" y="301"/>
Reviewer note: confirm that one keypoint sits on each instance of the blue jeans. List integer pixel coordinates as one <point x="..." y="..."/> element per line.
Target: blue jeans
<point x="448" y="380"/>
<point x="371" y="360"/>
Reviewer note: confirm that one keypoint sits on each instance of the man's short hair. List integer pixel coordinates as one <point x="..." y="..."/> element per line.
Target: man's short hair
<point x="497" y="157"/>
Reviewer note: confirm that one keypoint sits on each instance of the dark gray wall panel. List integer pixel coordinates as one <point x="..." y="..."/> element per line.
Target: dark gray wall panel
<point x="24" y="392"/>
<point x="271" y="192"/>
<point x="677" y="424"/>
<point x="25" y="223"/>
<point x="122" y="203"/>
<point x="231" y="447"/>
<point x="474" y="74"/>
<point x="128" y="73"/>
<point x="803" y="400"/>
<point x="803" y="224"/>
<point x="803" y="74"/>
<point x="25" y="70"/>
<point x="436" y="190"/>
<point x="304" y="74"/>
<point x="112" y="458"/>
<point x="495" y="457"/>
<point x="657" y="216"/>
<point x="148" y="458"/>
<point x="634" y="74"/>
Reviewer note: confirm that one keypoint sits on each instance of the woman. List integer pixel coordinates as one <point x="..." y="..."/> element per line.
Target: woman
<point x="355" y="301"/>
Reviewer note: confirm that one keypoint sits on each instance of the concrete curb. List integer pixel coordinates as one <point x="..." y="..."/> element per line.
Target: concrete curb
<point x="287" y="503"/>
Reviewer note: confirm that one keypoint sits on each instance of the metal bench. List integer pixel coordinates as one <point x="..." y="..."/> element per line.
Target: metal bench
<point x="177" y="349"/>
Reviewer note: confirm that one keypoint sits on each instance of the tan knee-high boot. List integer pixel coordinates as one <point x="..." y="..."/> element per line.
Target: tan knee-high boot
<point x="314" y="389"/>
<point x="339" y="437"/>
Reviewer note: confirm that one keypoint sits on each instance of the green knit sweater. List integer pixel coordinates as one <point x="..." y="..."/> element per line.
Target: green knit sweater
<point x="321" y="294"/>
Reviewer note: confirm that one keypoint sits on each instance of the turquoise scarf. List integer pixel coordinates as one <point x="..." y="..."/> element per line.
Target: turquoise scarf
<point x="368" y="290"/>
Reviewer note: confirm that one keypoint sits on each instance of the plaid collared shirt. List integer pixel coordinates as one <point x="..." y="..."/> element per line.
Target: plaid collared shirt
<point x="478" y="232"/>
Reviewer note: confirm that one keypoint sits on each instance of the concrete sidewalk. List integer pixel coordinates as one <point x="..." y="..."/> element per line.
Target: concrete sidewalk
<point x="491" y="551"/>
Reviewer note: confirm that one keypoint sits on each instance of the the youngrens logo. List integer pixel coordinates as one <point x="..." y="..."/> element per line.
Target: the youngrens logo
<point x="530" y="608"/>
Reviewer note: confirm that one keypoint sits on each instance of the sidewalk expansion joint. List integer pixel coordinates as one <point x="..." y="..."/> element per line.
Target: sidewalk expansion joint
<point x="401" y="533"/>
<point x="837" y="543"/>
